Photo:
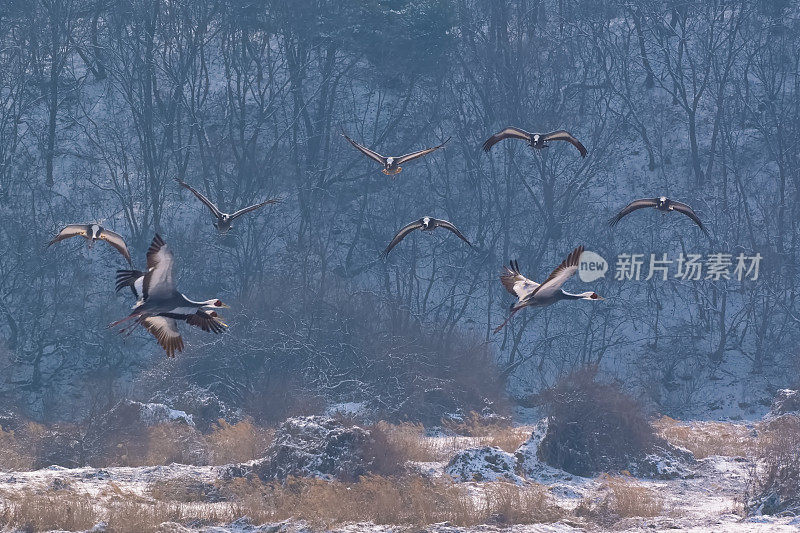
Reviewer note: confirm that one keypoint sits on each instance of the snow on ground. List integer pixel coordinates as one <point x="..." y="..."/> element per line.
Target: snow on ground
<point x="708" y="502"/>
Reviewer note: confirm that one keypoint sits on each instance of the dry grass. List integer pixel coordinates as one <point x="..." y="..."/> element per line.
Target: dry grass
<point x="620" y="497"/>
<point x="238" y="443"/>
<point x="510" y="504"/>
<point x="158" y="445"/>
<point x="405" y="500"/>
<point x="705" y="439"/>
<point x="179" y="443"/>
<point x="408" y="441"/>
<point x="477" y="425"/>
<point x="175" y="443"/>
<point x="184" y="490"/>
<point x="45" y="512"/>
<point x="14" y="455"/>
<point x="403" y="442"/>
<point x="509" y="439"/>
<point x="774" y="485"/>
<point x="629" y="499"/>
<point x="393" y="446"/>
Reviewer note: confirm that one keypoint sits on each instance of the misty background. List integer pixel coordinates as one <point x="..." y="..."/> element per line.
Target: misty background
<point x="104" y="103"/>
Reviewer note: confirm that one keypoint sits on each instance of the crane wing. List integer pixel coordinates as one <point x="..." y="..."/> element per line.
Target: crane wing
<point x="559" y="276"/>
<point x="405" y="230"/>
<point x="206" y="321"/>
<point x="244" y="210"/>
<point x="366" y="151"/>
<point x="510" y="132"/>
<point x="631" y="207"/>
<point x="516" y="283"/>
<point x="217" y="213"/>
<point x="71" y="230"/>
<point x="680" y="207"/>
<point x="165" y="330"/>
<point x="158" y="281"/>
<point x="447" y="225"/>
<point x="414" y="155"/>
<point x="563" y="135"/>
<point x="116" y="240"/>
<point x="130" y="278"/>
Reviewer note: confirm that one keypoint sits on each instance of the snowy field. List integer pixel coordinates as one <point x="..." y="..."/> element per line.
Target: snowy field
<point x="710" y="500"/>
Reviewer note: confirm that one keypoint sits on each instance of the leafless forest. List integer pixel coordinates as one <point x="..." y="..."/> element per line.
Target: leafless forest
<point x="104" y="103"/>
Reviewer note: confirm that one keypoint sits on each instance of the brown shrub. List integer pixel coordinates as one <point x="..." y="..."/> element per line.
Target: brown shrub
<point x="175" y="443"/>
<point x="59" y="444"/>
<point x="774" y="484"/>
<point x="14" y="455"/>
<point x="185" y="490"/>
<point x="510" y="504"/>
<point x="509" y="439"/>
<point x="44" y="512"/>
<point x="705" y="439"/>
<point x="593" y="426"/>
<point x="394" y="444"/>
<point x="477" y="425"/>
<point x="407" y="500"/>
<point x="160" y="445"/>
<point x="381" y="500"/>
<point x="620" y="497"/>
<point x="238" y="443"/>
<point x="283" y="398"/>
<point x="404" y="500"/>
<point x="489" y="430"/>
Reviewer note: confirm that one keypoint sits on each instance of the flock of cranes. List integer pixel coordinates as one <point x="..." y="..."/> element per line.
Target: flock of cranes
<point x="160" y="306"/>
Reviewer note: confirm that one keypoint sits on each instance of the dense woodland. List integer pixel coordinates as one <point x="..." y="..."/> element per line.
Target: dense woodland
<point x="104" y="103"/>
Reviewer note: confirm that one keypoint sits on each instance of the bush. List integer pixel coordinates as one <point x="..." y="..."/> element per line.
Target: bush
<point x="175" y="443"/>
<point x="391" y="446"/>
<point x="186" y="490"/>
<point x="493" y="430"/>
<point x="593" y="427"/>
<point x="238" y="443"/>
<point x="705" y="439"/>
<point x="61" y="510"/>
<point x="14" y="455"/>
<point x="350" y="346"/>
<point x="774" y="484"/>
<point x="620" y="497"/>
<point x="509" y="504"/>
<point x="396" y="500"/>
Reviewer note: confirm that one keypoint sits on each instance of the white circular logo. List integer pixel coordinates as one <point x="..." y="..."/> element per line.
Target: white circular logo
<point x="591" y="267"/>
